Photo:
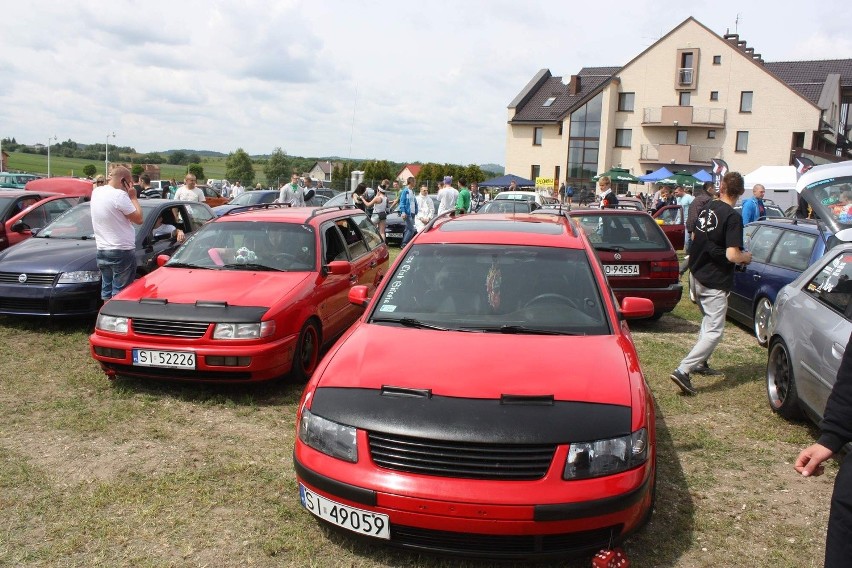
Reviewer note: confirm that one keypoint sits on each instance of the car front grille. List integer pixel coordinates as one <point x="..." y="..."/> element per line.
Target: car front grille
<point x="504" y="546"/>
<point x="183" y="329"/>
<point x="461" y="459"/>
<point x="24" y="305"/>
<point x="31" y="280"/>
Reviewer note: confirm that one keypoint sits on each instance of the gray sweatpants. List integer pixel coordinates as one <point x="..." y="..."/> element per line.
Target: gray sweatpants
<point x="713" y="305"/>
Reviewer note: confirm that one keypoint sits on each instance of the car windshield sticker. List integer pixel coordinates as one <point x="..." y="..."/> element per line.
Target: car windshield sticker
<point x="387" y="308"/>
<point x="833" y="274"/>
<point x="493" y="282"/>
<point x="393" y="288"/>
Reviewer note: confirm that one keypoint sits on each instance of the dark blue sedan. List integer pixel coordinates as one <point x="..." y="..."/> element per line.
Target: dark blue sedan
<point x="781" y="250"/>
<point x="55" y="273"/>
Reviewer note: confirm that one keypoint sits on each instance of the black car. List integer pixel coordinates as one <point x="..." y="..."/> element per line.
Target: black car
<point x="55" y="273"/>
<point x="395" y="226"/>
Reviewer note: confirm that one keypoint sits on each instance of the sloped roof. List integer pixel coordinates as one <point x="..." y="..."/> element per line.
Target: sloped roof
<point x="413" y="168"/>
<point x="591" y="80"/>
<point x="808" y="77"/>
<point x="326" y="166"/>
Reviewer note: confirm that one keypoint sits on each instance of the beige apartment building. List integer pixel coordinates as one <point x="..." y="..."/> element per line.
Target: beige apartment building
<point x="690" y="97"/>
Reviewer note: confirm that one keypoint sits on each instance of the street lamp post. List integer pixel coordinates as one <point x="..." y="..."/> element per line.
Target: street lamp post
<point x="106" y="154"/>
<point x="49" y="138"/>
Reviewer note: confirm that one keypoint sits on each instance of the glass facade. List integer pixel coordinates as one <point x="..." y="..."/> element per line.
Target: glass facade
<point x="584" y="141"/>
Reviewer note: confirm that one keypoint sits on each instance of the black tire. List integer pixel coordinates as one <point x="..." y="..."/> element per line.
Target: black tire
<point x="781" y="383"/>
<point x="761" y="320"/>
<point x="306" y="356"/>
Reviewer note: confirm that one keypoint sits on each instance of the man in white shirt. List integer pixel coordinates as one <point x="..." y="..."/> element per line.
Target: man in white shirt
<point x="237" y="189"/>
<point x="188" y="191"/>
<point x="447" y="196"/>
<point x="115" y="209"/>
<point x="291" y="193"/>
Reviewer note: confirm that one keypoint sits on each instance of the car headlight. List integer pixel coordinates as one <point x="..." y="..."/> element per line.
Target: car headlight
<point x="113" y="324"/>
<point x="243" y="330"/>
<point x="606" y="457"/>
<point x="331" y="438"/>
<point x="80" y="276"/>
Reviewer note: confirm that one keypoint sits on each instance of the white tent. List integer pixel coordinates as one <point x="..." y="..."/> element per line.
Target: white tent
<point x="779" y="181"/>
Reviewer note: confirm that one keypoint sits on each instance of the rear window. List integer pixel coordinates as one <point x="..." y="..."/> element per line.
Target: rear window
<point x="627" y="232"/>
<point x="505" y="226"/>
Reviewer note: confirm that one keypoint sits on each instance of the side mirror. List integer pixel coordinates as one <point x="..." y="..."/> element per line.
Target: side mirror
<point x="633" y="308"/>
<point x="162" y="259"/>
<point x="358" y="296"/>
<point x="339" y="267"/>
<point x="19" y="226"/>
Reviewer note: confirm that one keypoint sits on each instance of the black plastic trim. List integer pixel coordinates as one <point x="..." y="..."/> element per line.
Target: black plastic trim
<point x="336" y="488"/>
<point x="472" y="420"/>
<point x="586" y="509"/>
<point x="203" y="311"/>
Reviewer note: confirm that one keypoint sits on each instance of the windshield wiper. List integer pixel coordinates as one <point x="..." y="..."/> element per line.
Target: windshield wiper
<point x="522" y="329"/>
<point x="411" y="322"/>
<point x="614" y="248"/>
<point x="250" y="266"/>
<point x="186" y="265"/>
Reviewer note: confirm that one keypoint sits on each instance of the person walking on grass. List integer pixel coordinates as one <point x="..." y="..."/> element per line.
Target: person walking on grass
<point x="716" y="250"/>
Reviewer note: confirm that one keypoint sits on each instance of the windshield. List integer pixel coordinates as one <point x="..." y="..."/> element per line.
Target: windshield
<point x="76" y="223"/>
<point x="624" y="232"/>
<point x="247" y="245"/>
<point x="506" y="206"/>
<point x="516" y="196"/>
<point x="831" y="200"/>
<point x="253" y="197"/>
<point x="493" y="288"/>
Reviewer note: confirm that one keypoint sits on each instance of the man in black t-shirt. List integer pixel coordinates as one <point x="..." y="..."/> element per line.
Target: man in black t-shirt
<point x="715" y="252"/>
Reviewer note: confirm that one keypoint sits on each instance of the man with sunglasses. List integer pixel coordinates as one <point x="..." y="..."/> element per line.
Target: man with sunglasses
<point x="115" y="209"/>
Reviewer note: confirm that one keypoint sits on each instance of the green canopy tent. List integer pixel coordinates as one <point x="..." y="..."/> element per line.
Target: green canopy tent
<point x="680" y="178"/>
<point x="618" y="175"/>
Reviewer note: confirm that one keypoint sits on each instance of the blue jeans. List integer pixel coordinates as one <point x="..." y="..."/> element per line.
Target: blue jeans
<point x="118" y="269"/>
<point x="409" y="231"/>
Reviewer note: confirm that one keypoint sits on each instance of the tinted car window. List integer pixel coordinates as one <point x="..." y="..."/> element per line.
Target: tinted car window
<point x="793" y="250"/>
<point x="368" y="230"/>
<point x="833" y="284"/>
<point x="762" y="241"/>
<point x="630" y="232"/>
<point x="48" y="212"/>
<point x="486" y="287"/>
<point x="352" y="236"/>
<point x="198" y="215"/>
<point x="335" y="248"/>
<point x="506" y="206"/>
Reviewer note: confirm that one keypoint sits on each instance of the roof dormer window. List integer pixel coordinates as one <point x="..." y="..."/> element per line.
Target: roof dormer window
<point x="549" y="101"/>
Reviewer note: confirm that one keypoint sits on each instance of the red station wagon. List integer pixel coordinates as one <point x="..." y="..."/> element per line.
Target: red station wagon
<point x="513" y="421"/>
<point x="251" y="296"/>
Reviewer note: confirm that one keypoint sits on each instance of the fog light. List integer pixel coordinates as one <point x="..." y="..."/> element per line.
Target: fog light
<point x="228" y="361"/>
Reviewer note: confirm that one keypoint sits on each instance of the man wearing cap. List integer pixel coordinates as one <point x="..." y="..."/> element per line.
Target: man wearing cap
<point x="447" y="196"/>
<point x="408" y="211"/>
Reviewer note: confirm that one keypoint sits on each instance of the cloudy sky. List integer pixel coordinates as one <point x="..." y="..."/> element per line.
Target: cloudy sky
<point x="402" y="80"/>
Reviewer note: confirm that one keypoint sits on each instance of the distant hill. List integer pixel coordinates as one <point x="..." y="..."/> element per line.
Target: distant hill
<point x="496" y="168"/>
<point x="204" y="153"/>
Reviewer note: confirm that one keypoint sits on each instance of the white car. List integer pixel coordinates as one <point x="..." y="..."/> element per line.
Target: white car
<point x="529" y="196"/>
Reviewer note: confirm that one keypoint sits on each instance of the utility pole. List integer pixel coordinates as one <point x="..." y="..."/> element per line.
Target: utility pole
<point x="106" y="154"/>
<point x="49" y="138"/>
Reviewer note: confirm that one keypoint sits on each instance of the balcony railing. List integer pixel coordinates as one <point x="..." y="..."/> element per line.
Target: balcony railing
<point x="684" y="116"/>
<point x="678" y="153"/>
<point x="685" y="75"/>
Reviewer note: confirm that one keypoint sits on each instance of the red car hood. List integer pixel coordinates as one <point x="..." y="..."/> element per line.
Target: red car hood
<point x="481" y="365"/>
<point x="237" y="287"/>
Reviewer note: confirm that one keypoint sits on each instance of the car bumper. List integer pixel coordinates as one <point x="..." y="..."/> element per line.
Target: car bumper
<point x="665" y="299"/>
<point x="246" y="363"/>
<point x="496" y="519"/>
<point x="54" y="300"/>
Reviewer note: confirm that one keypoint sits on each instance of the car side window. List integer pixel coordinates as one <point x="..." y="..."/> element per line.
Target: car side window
<point x="354" y="241"/>
<point x="333" y="246"/>
<point x="46" y="213"/>
<point x="198" y="215"/>
<point x="762" y="242"/>
<point x="368" y="230"/>
<point x="833" y="285"/>
<point x="673" y="216"/>
<point x="793" y="250"/>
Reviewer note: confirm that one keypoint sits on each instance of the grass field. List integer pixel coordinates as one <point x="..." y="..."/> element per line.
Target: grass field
<point x="214" y="168"/>
<point x="132" y="473"/>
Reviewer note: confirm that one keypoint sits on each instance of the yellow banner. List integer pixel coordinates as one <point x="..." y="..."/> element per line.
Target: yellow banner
<point x="543" y="182"/>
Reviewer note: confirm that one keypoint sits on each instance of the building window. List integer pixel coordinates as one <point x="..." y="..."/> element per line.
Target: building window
<point x="745" y="101"/>
<point x="584" y="141"/>
<point x="742" y="141"/>
<point x="556" y="171"/>
<point x="686" y="73"/>
<point x="717" y="60"/>
<point x="623" y="137"/>
<point x="625" y="101"/>
<point x="549" y="102"/>
<point x="561" y="124"/>
<point x="714" y="95"/>
<point x="680" y="137"/>
<point x="537" y="135"/>
<point x="684" y="98"/>
<point x="711" y="134"/>
<point x="535" y="172"/>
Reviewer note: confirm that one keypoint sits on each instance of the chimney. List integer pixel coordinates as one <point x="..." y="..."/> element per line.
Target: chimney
<point x="574" y="87"/>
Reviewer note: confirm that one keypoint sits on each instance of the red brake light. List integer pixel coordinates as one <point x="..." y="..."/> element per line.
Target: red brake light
<point x="665" y="269"/>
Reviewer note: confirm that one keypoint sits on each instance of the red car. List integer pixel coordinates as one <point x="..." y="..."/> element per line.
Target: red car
<point x="637" y="257"/>
<point x="512" y="419"/>
<point x="22" y="211"/>
<point x="251" y="296"/>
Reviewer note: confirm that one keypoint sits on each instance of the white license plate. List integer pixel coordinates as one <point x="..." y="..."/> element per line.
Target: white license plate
<point x="168" y="359"/>
<point x="621" y="269"/>
<point x="393" y="235"/>
<point x="350" y="518"/>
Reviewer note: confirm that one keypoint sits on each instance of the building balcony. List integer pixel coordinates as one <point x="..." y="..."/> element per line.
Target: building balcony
<point x="683" y="154"/>
<point x="684" y="116"/>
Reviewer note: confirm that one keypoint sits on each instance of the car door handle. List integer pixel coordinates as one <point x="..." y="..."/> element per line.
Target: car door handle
<point x="373" y="264"/>
<point x="353" y="279"/>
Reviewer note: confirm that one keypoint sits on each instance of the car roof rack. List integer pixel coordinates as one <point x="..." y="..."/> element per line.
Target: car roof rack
<point x="254" y="206"/>
<point x="328" y="208"/>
